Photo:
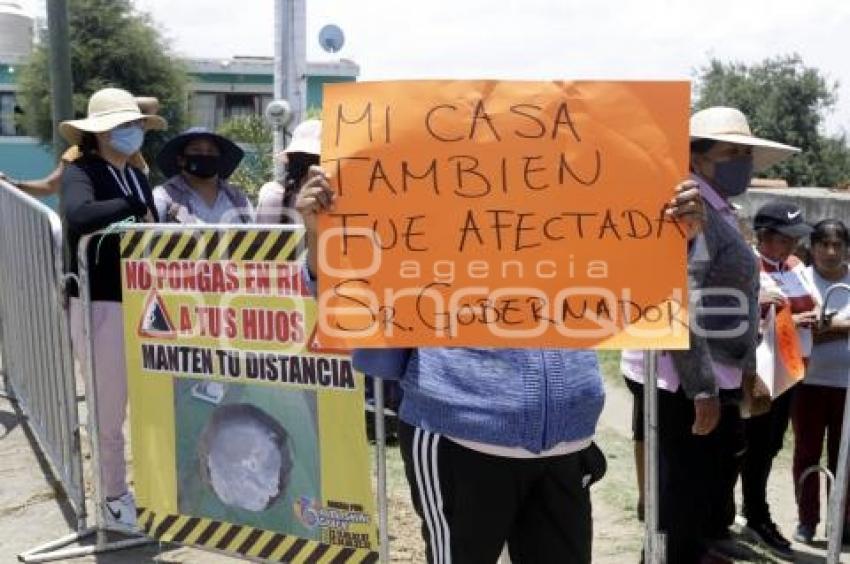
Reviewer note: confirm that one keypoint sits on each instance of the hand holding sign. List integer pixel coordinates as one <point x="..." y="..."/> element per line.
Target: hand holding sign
<point x="688" y="207"/>
<point x="505" y="213"/>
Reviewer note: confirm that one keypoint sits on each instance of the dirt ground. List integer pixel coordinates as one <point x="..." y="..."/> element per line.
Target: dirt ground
<point x="32" y="512"/>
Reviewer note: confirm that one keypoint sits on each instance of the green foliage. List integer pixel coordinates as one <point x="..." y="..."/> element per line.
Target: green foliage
<point x="313" y="112"/>
<point x="254" y="136"/>
<point x="785" y="101"/>
<point x="111" y="45"/>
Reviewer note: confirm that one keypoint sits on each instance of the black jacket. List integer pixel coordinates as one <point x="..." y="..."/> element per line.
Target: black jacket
<point x="95" y="195"/>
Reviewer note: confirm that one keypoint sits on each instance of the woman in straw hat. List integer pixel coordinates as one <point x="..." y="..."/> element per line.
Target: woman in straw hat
<point x="99" y="189"/>
<point x="49" y="185"/>
<point x="700" y="429"/>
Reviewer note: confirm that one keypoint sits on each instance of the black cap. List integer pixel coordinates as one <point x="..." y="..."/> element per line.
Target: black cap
<point x="783" y="218"/>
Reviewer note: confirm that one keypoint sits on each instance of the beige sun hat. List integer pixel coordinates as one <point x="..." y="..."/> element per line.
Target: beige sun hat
<point x="729" y="125"/>
<point x="108" y="108"/>
<point x="306" y="138"/>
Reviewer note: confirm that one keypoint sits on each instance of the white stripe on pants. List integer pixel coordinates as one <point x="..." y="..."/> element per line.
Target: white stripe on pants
<point x="430" y="494"/>
<point x="111" y="383"/>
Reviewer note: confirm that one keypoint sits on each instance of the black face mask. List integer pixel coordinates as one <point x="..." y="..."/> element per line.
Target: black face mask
<point x="202" y="166"/>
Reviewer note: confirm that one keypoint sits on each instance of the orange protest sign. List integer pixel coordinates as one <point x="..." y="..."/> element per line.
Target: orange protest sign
<point x="511" y="214"/>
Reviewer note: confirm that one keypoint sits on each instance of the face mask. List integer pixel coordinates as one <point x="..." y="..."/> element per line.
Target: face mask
<point x="127" y="140"/>
<point x="202" y="166"/>
<point x="733" y="176"/>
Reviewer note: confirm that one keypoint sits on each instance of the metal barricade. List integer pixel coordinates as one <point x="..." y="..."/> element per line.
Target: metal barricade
<point x="37" y="358"/>
<point x="838" y="497"/>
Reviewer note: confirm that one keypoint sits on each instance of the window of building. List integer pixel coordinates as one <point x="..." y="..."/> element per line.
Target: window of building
<point x="8" y="114"/>
<point x="211" y="109"/>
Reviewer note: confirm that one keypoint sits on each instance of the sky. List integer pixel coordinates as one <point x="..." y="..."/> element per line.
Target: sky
<point x="531" y="39"/>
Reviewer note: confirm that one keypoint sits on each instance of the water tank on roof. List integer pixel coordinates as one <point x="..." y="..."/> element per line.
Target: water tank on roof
<point x="16" y="29"/>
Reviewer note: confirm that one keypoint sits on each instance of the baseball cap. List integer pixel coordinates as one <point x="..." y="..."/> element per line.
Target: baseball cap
<point x="783" y="218"/>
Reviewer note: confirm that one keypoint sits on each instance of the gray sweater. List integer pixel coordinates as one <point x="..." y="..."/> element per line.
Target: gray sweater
<point x="723" y="268"/>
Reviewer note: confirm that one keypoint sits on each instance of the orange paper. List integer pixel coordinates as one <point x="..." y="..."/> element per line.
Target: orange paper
<point x="507" y="214"/>
<point x="788" y="344"/>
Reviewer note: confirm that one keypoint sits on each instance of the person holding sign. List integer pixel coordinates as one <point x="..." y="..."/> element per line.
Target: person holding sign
<point x="100" y="188"/>
<point x="521" y="473"/>
<point x="699" y="389"/>
<point x="818" y="404"/>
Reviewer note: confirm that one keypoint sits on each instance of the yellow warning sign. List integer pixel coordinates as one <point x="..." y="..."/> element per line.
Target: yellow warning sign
<point x="247" y="436"/>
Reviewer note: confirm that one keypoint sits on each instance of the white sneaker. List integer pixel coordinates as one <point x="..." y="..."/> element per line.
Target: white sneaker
<point x="121" y="512"/>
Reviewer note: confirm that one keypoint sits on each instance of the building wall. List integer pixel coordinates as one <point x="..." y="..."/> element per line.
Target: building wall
<point x="215" y="96"/>
<point x="816" y="203"/>
<point x="25" y="157"/>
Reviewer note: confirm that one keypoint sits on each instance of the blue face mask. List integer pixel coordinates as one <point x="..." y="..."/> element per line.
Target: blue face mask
<point x="733" y="177"/>
<point x="127" y="140"/>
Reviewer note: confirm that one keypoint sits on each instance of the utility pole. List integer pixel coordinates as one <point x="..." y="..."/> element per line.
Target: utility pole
<point x="61" y="85"/>
<point x="290" y="69"/>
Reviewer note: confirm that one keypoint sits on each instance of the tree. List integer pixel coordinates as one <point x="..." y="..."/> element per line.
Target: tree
<point x="254" y="136"/>
<point x="785" y="101"/>
<point x="111" y="45"/>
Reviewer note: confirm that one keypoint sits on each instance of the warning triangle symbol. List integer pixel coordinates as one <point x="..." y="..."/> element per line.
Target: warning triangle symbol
<point x="155" y="321"/>
<point x="314" y="345"/>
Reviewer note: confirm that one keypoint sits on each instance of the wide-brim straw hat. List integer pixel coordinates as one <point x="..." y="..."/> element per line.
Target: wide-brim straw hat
<point x="730" y="125"/>
<point x="306" y="138"/>
<point x="230" y="154"/>
<point x="108" y="108"/>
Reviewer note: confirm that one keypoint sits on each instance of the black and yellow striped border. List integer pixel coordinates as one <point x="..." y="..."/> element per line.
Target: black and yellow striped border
<point x="257" y="544"/>
<point x="205" y="244"/>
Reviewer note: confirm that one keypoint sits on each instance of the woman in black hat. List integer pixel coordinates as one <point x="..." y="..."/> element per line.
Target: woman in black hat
<point x="198" y="163"/>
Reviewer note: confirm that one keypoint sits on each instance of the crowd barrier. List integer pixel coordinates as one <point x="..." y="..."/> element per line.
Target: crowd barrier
<point x="36" y="346"/>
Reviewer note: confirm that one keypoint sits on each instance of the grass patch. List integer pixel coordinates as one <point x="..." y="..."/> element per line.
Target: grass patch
<point x="609" y="366"/>
<point x="618" y="535"/>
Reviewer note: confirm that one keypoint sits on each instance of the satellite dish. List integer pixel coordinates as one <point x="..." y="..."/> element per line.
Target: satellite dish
<point x="331" y="38"/>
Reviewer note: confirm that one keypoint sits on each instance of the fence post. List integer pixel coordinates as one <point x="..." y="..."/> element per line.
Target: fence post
<point x="838" y="497"/>
<point x="654" y="546"/>
<point x="381" y="461"/>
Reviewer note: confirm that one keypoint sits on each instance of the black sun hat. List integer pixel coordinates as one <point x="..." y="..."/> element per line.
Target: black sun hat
<point x="231" y="153"/>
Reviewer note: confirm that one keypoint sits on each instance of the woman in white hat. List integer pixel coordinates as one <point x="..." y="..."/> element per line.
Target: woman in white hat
<point x="98" y="189"/>
<point x="276" y="203"/>
<point x="700" y="430"/>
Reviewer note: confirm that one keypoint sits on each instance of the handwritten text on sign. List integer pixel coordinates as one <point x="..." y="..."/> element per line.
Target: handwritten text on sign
<point x="511" y="214"/>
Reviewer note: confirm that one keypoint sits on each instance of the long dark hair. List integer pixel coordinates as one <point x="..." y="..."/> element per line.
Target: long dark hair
<point x="827" y="227"/>
<point x="88" y="143"/>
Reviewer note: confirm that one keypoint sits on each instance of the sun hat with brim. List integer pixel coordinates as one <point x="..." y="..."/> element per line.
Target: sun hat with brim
<point x="306" y="138"/>
<point x="108" y="108"/>
<point x="230" y="153"/>
<point x="782" y="217"/>
<point x="729" y="125"/>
